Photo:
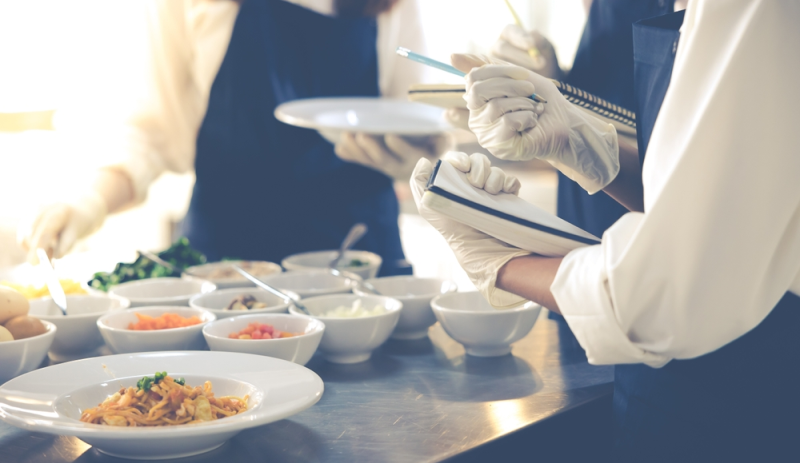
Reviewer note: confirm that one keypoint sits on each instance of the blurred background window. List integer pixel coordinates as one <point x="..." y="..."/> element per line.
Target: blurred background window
<point x="62" y="66"/>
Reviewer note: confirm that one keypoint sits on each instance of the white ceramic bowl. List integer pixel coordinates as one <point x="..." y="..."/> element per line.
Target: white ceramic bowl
<point x="311" y="283"/>
<point x="77" y="332"/>
<point x="322" y="259"/>
<point x="50" y="400"/>
<point x="23" y="355"/>
<point x="216" y="301"/>
<point x="416" y="295"/>
<point x="483" y="330"/>
<point x="234" y="279"/>
<point x="352" y="340"/>
<point x="162" y="291"/>
<point x="297" y="349"/>
<point x="121" y="340"/>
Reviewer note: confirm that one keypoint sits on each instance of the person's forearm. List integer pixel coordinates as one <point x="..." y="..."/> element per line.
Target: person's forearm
<point x="531" y="277"/>
<point x="627" y="187"/>
<point x="116" y="188"/>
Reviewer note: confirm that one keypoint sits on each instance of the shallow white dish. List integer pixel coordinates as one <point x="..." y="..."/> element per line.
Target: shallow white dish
<point x="162" y="291"/>
<point x="322" y="259"/>
<point x="23" y="355"/>
<point x="262" y="269"/>
<point x="372" y="115"/>
<point x="77" y="332"/>
<point x="416" y="295"/>
<point x="298" y="349"/>
<point x="483" y="330"/>
<point x="352" y="340"/>
<point x="311" y="283"/>
<point x="114" y="329"/>
<point x="50" y="400"/>
<point x="216" y="301"/>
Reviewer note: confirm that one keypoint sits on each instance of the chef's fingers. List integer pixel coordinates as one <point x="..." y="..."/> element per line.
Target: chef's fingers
<point x="495" y="181"/>
<point x="512" y="185"/>
<point x="379" y="154"/>
<point x="409" y="151"/>
<point x="479" y="169"/>
<point x="348" y="150"/>
<point x="459" y="160"/>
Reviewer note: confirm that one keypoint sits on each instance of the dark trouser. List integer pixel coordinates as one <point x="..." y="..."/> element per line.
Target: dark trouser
<point x="739" y="403"/>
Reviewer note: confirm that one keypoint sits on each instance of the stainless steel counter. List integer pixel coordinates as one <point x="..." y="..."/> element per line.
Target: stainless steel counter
<point x="414" y="401"/>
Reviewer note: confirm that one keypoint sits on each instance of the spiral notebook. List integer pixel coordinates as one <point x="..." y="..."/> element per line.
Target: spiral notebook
<point x="451" y="96"/>
<point x="505" y="216"/>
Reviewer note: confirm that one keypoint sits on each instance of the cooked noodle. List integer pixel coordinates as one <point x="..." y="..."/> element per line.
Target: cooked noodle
<point x="166" y="403"/>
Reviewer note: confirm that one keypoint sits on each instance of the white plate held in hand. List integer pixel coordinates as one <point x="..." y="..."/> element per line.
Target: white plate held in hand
<point x="374" y="116"/>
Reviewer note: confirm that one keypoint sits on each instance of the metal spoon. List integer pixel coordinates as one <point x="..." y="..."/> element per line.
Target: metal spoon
<point x="166" y="264"/>
<point x="51" y="280"/>
<point x="356" y="232"/>
<point x="359" y="281"/>
<point x="274" y="291"/>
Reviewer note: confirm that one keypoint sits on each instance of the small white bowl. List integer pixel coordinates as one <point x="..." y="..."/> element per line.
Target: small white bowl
<point x="322" y="259"/>
<point x="162" y="291"/>
<point x="121" y="340"/>
<point x="483" y="330"/>
<point x="24" y="355"/>
<point x="416" y="295"/>
<point x="216" y="301"/>
<point x="233" y="279"/>
<point x="77" y="332"/>
<point x="298" y="349"/>
<point x="352" y="340"/>
<point x="311" y="283"/>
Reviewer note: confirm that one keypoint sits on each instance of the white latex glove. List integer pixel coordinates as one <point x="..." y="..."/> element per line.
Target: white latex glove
<point x="479" y="254"/>
<point x="481" y="174"/>
<point x="56" y="227"/>
<point x="457" y="117"/>
<point x="513" y="127"/>
<point x="513" y="45"/>
<point x="391" y="155"/>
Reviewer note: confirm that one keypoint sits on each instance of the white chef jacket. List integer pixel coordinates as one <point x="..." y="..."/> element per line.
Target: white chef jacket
<point x="186" y="41"/>
<point x="719" y="243"/>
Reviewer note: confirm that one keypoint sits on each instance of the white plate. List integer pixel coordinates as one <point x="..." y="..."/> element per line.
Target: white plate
<point x="50" y="400"/>
<point x="376" y="116"/>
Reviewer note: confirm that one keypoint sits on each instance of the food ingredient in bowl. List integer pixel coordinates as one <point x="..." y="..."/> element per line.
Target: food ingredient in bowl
<point x="245" y="302"/>
<point x="12" y="304"/>
<point x="5" y="335"/>
<point x="357" y="310"/>
<point x="257" y="330"/>
<point x="227" y="272"/>
<point x="180" y="254"/>
<point x="162" y="322"/>
<point x="25" y="327"/>
<point x="161" y="400"/>
<point x="70" y="287"/>
<point x="357" y="263"/>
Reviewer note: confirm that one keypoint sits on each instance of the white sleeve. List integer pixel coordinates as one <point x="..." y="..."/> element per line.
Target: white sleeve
<point x="719" y="243"/>
<point x="400" y="27"/>
<point x="185" y="43"/>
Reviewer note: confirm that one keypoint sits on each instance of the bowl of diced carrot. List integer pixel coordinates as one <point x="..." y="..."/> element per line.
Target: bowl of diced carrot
<point x="160" y="328"/>
<point x="285" y="336"/>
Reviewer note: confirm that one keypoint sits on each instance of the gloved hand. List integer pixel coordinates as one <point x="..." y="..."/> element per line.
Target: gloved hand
<point x="481" y="174"/>
<point x="513" y="127"/>
<point x="479" y="254"/>
<point x="56" y="227"/>
<point x="457" y="117"/>
<point x="391" y="155"/>
<point x="513" y="45"/>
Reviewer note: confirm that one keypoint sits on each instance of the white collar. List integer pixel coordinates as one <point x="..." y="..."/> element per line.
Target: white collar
<point x="324" y="7"/>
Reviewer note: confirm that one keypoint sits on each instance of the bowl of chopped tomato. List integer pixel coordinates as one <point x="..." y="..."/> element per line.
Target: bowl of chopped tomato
<point x="159" y="328"/>
<point x="285" y="336"/>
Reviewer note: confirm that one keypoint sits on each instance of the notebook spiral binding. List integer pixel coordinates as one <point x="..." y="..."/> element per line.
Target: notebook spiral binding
<point x="598" y="105"/>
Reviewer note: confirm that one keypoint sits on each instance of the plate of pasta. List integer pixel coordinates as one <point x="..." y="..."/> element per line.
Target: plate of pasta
<point x="158" y="405"/>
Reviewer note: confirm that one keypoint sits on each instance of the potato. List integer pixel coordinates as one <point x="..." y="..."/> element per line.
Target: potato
<point x="25" y="327"/>
<point x="5" y="335"/>
<point x="12" y="304"/>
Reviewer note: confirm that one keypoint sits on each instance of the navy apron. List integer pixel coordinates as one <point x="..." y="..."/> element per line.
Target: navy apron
<point x="604" y="66"/>
<point x="265" y="189"/>
<point x="739" y="403"/>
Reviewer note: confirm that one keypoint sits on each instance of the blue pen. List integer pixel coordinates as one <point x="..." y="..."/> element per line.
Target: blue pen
<point x="406" y="53"/>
